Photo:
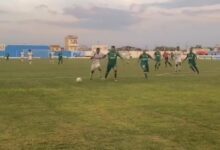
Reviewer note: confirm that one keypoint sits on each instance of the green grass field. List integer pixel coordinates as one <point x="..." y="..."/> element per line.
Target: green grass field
<point x="42" y="107"/>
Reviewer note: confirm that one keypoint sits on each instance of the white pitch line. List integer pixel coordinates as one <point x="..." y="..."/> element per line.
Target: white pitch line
<point x="163" y="74"/>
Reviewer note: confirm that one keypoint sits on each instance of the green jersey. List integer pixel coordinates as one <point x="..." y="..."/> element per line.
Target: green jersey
<point x="112" y="57"/>
<point x="191" y="58"/>
<point x="60" y="55"/>
<point x="144" y="58"/>
<point x="157" y="56"/>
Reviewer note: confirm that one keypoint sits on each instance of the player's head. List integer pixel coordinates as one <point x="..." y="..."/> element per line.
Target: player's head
<point x="177" y="48"/>
<point x="144" y="51"/>
<point x="97" y="50"/>
<point x="113" y="48"/>
<point x="29" y="50"/>
<point x="191" y="50"/>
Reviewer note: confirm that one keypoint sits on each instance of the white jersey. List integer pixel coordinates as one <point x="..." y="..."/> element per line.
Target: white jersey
<point x="30" y="55"/>
<point x="22" y="54"/>
<point x="96" y="58"/>
<point x="51" y="55"/>
<point x="177" y="56"/>
<point x="96" y="61"/>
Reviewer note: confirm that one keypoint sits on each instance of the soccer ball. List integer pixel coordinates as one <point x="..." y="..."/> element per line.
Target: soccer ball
<point x="78" y="79"/>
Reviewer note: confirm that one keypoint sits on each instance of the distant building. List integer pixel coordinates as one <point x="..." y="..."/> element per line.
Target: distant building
<point x="217" y="48"/>
<point x="84" y="48"/>
<point x="2" y="47"/>
<point x="55" y="48"/>
<point x="103" y="48"/>
<point x="71" y="43"/>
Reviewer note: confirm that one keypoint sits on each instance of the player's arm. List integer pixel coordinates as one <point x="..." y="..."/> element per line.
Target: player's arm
<point x="185" y="58"/>
<point x="150" y="56"/>
<point x="104" y="56"/>
<point x="139" y="59"/>
<point x="119" y="55"/>
<point x="196" y="57"/>
<point x="91" y="57"/>
<point x="155" y="55"/>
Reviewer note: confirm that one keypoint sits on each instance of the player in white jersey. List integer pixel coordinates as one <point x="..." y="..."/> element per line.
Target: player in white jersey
<point x="177" y="59"/>
<point x="30" y="56"/>
<point x="96" y="63"/>
<point x="51" y="56"/>
<point x="22" y="56"/>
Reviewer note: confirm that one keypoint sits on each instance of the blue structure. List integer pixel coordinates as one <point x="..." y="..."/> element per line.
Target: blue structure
<point x="2" y="53"/>
<point x="39" y="51"/>
<point x="69" y="54"/>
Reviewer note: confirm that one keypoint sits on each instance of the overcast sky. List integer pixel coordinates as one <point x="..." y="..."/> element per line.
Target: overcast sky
<point x="142" y="23"/>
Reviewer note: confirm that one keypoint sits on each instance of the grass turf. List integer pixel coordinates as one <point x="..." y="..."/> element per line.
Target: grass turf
<point x="42" y="107"/>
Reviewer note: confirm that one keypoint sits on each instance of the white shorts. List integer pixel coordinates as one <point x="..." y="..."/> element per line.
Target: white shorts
<point x="29" y="58"/>
<point x="177" y="61"/>
<point x="95" y="66"/>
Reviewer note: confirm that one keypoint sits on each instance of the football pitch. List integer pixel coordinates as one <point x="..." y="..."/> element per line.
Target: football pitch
<point x="42" y="107"/>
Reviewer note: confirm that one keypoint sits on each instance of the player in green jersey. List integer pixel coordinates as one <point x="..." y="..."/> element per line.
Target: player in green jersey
<point x="157" y="56"/>
<point x="60" y="58"/>
<point x="143" y="59"/>
<point x="192" y="61"/>
<point x="112" y="62"/>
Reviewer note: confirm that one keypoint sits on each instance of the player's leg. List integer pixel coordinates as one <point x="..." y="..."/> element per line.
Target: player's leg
<point x="100" y="72"/>
<point x="176" y="66"/>
<point x="109" y="67"/>
<point x="146" y="70"/>
<point x="143" y="67"/>
<point x="169" y="63"/>
<point x="91" y="74"/>
<point x="62" y="61"/>
<point x="166" y="63"/>
<point x="156" y="65"/>
<point x="92" y="71"/>
<point x="58" y="61"/>
<point x="179" y="66"/>
<point x="196" y="68"/>
<point x="191" y="67"/>
<point x="115" y="73"/>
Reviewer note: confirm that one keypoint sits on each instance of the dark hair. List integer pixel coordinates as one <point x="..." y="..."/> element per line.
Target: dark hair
<point x="113" y="47"/>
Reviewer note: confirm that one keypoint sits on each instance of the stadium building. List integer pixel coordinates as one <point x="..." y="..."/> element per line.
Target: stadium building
<point x="39" y="51"/>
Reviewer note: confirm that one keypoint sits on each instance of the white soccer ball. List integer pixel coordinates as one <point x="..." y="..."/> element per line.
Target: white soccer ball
<point x="78" y="79"/>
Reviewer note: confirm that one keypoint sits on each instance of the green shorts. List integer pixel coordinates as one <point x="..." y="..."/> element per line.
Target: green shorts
<point x="111" y="66"/>
<point x="145" y="67"/>
<point x="192" y="63"/>
<point x="158" y="60"/>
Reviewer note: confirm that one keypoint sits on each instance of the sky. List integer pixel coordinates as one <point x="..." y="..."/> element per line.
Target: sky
<point x="140" y="23"/>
